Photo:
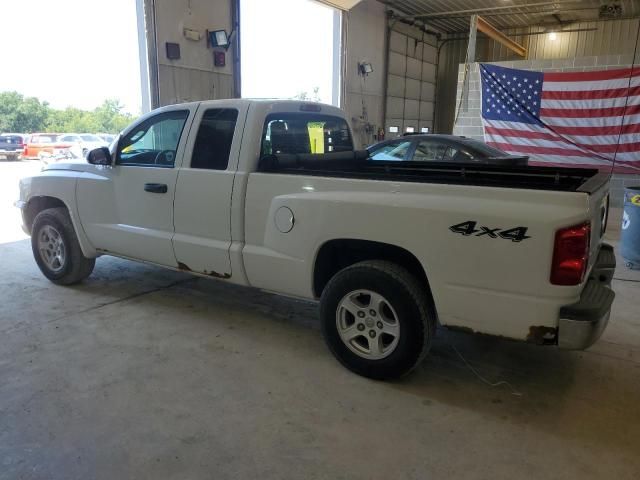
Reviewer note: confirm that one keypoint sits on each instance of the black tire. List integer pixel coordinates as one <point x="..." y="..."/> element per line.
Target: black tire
<point x="413" y="307"/>
<point x="75" y="267"/>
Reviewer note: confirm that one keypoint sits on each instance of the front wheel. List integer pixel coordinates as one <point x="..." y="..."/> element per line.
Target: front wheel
<point x="56" y="249"/>
<point x="377" y="320"/>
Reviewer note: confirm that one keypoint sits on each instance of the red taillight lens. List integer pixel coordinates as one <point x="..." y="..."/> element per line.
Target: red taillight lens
<point x="571" y="255"/>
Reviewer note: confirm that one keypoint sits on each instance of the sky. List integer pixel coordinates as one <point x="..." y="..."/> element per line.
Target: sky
<point x="80" y="52"/>
<point x="71" y="52"/>
<point x="287" y="48"/>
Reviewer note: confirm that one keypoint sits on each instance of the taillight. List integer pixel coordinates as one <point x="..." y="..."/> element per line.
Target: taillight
<point x="571" y="255"/>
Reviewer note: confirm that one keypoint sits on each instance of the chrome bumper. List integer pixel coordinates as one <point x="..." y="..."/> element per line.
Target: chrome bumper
<point x="582" y="323"/>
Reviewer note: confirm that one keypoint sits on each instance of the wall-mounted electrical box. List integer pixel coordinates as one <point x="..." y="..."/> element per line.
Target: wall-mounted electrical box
<point x="192" y="34"/>
<point x="219" y="59"/>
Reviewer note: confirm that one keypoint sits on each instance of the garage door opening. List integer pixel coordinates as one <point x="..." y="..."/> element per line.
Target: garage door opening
<point x="290" y="49"/>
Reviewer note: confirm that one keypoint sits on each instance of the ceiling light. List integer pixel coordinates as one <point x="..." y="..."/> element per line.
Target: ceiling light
<point x="552" y="36"/>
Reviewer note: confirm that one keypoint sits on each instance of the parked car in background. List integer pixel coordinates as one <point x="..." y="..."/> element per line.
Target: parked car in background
<point x="82" y="143"/>
<point x="11" y="146"/>
<point x="42" y="143"/>
<point x="442" y="148"/>
<point x="107" y="137"/>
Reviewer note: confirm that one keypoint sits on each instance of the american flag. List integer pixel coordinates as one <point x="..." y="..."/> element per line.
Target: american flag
<point x="572" y="119"/>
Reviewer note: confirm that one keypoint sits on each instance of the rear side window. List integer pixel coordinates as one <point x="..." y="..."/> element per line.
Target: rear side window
<point x="429" y="151"/>
<point x="214" y="139"/>
<point x="292" y="133"/>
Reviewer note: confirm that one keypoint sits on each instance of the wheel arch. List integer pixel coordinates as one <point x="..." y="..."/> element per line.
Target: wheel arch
<point x="38" y="203"/>
<point x="336" y="254"/>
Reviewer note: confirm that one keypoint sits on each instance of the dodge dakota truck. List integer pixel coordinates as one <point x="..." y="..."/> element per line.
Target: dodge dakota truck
<point x="272" y="195"/>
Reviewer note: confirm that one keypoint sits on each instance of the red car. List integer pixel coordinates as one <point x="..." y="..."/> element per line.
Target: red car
<point x="39" y="143"/>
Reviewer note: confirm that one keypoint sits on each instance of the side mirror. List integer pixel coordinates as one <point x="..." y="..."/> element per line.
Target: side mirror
<point x="100" y="156"/>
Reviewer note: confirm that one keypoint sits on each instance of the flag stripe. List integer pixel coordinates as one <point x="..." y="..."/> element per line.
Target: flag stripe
<point x="589" y="112"/>
<point x="593" y="149"/>
<point x="589" y="94"/>
<point x="628" y="139"/>
<point x="591" y="102"/>
<point x="591" y="76"/>
<point x="597" y="131"/>
<point x="594" y="85"/>
<point x="574" y="131"/>
<point x="554" y="122"/>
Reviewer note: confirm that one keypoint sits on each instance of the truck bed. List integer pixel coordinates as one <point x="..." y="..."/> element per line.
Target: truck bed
<point x="357" y="165"/>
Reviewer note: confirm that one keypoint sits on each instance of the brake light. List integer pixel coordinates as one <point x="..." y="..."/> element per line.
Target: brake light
<point x="310" y="107"/>
<point x="571" y="255"/>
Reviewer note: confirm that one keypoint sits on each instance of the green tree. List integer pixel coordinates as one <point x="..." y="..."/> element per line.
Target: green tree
<point x="110" y="117"/>
<point x="20" y="114"/>
<point x="27" y="115"/>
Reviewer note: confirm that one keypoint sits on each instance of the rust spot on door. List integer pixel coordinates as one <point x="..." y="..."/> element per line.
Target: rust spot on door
<point x="185" y="268"/>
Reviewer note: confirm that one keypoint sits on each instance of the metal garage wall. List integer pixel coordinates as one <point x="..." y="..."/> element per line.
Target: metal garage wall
<point x="193" y="76"/>
<point x="612" y="37"/>
<point x="411" y="81"/>
<point x="364" y="30"/>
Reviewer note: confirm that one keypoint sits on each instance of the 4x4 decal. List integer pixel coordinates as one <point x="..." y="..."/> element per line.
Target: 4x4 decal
<point x="468" y="228"/>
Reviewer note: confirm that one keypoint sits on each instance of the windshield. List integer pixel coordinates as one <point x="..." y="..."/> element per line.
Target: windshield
<point x="44" y="139"/>
<point x="10" y="139"/>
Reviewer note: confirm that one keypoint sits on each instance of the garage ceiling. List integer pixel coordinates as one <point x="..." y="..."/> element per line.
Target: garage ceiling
<point x="452" y="16"/>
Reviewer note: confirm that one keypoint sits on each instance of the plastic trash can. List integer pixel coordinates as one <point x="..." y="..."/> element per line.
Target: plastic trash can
<point x="630" y="233"/>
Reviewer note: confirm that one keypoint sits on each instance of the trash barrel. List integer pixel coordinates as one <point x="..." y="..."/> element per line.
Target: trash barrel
<point x="630" y="233"/>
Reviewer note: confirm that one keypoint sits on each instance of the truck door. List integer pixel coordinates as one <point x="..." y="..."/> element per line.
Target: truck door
<point x="127" y="209"/>
<point x="203" y="192"/>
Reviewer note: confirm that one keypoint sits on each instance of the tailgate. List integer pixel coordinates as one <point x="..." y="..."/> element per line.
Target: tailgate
<point x="598" y="192"/>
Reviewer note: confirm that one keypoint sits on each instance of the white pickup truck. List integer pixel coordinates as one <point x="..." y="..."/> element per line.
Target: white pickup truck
<point x="272" y="195"/>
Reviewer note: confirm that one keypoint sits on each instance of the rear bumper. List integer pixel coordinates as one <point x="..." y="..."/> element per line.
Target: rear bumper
<point x="582" y="323"/>
<point x="10" y="153"/>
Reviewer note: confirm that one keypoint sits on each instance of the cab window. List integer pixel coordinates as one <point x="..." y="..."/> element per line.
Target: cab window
<point x="154" y="142"/>
<point x="292" y="133"/>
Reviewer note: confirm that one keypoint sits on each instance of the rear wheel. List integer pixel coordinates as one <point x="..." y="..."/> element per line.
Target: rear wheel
<point x="56" y="249"/>
<point x="376" y="319"/>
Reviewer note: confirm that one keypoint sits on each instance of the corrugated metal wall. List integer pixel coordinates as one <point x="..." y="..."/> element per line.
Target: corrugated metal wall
<point x="614" y="37"/>
<point x="411" y="80"/>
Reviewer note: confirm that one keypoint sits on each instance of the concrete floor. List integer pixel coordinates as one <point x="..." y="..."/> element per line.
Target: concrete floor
<point x="146" y="373"/>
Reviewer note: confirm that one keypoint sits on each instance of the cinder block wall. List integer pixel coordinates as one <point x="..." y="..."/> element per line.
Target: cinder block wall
<point x="469" y="123"/>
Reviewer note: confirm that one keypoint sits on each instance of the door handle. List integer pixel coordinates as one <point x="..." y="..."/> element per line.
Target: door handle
<point x="155" y="187"/>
